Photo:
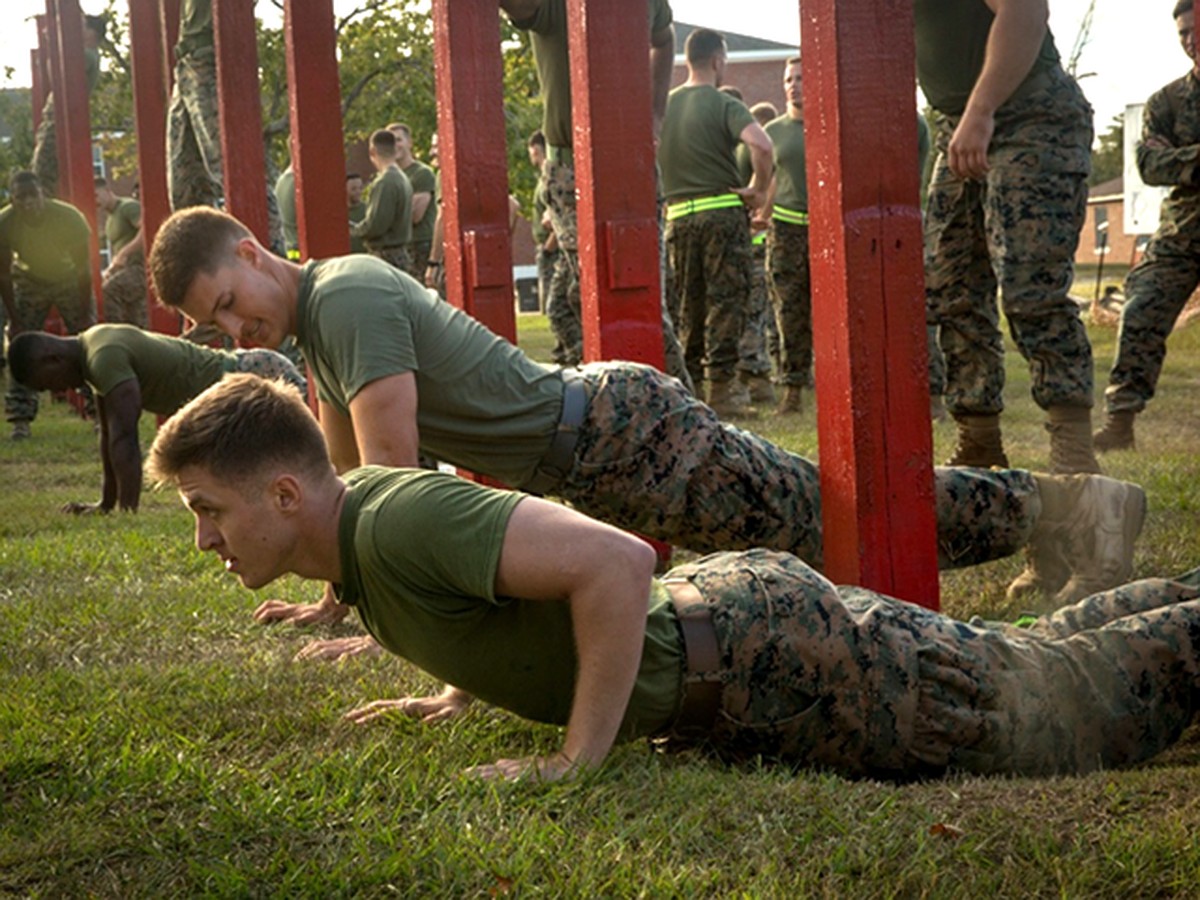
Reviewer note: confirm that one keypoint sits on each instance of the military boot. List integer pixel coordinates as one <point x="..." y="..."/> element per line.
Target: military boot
<point x="1090" y="523"/>
<point x="1071" y="451"/>
<point x="979" y="442"/>
<point x="793" y="400"/>
<point x="1117" y="433"/>
<point x="762" y="392"/>
<point x="1045" y="574"/>
<point x="729" y="399"/>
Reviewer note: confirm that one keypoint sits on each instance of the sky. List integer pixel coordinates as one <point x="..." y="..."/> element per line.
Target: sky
<point x="1132" y="49"/>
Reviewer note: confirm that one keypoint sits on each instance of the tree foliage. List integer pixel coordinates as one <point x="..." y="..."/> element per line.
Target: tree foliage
<point x="1108" y="158"/>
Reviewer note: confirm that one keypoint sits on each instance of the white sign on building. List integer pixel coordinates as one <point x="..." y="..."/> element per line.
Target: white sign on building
<point x="1142" y="202"/>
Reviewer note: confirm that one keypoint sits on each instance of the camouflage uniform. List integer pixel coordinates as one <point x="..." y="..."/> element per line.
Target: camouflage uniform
<point x="759" y="343"/>
<point x="791" y="293"/>
<point x="845" y="679"/>
<point x="124" y="293"/>
<point x="398" y="257"/>
<point x="1016" y="229"/>
<point x="1157" y="287"/>
<point x="44" y="162"/>
<point x="272" y="365"/>
<point x="651" y="458"/>
<point x="33" y="301"/>
<point x="710" y="255"/>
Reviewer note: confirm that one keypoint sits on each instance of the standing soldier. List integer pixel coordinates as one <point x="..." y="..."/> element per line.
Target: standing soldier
<point x="386" y="229"/>
<point x="45" y="248"/>
<point x="1159" y="285"/>
<point x="708" y="228"/>
<point x="124" y="281"/>
<point x="424" y="210"/>
<point x="355" y="209"/>
<point x="550" y="301"/>
<point x="1006" y="202"/>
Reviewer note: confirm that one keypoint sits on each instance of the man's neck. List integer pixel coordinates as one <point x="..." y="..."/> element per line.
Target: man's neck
<point x="699" y="77"/>
<point x="796" y="113"/>
<point x="322" y="559"/>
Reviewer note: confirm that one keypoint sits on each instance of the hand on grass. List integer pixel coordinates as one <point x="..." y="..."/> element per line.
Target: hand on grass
<point x="340" y="648"/>
<point x="326" y="612"/>
<point x="532" y="768"/>
<point x="85" y="509"/>
<point x="446" y="705"/>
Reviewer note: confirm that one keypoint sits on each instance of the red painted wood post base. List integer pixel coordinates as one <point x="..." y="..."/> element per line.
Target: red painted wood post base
<point x="868" y="297"/>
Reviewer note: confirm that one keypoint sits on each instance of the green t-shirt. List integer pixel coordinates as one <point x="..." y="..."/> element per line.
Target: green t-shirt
<point x="422" y="179"/>
<point x="419" y="552"/>
<point x="285" y="198"/>
<point x="388" y="222"/>
<point x="548" y="32"/>
<point x="482" y="403"/>
<point x="195" y="27"/>
<point x="170" y="371"/>
<point x="951" y="39"/>
<point x="122" y="222"/>
<point x="700" y="134"/>
<point x="791" y="188"/>
<point x="356" y="214"/>
<point x="46" y="250"/>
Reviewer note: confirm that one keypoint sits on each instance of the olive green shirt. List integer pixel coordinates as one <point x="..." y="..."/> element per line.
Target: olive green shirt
<point x="122" y="222"/>
<point x="700" y="135"/>
<point x="419" y="553"/>
<point x="951" y="39"/>
<point x="46" y="251"/>
<point x="285" y="199"/>
<point x="791" y="186"/>
<point x="195" y="27"/>
<point x="482" y="403"/>
<point x="356" y="213"/>
<point x="422" y="180"/>
<point x="548" y="33"/>
<point x="169" y="371"/>
<point x="388" y="222"/>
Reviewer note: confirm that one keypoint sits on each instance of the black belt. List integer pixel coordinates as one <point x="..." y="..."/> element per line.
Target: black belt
<point x="559" y="458"/>
<point x="701" y="701"/>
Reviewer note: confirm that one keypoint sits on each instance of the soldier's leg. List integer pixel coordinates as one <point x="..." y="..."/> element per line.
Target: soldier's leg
<point x="683" y="239"/>
<point x="33" y="302"/>
<point x="753" y="362"/>
<point x="272" y="365"/>
<point x="788" y="279"/>
<point x="674" y="360"/>
<point x="1156" y="290"/>
<point x="563" y="311"/>
<point x="727" y="266"/>
<point x="397" y="257"/>
<point x="125" y="296"/>
<point x="45" y="151"/>
<point x="192" y="132"/>
<point x="558" y="187"/>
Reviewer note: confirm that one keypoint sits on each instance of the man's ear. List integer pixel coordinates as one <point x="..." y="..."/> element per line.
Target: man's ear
<point x="287" y="493"/>
<point x="248" y="249"/>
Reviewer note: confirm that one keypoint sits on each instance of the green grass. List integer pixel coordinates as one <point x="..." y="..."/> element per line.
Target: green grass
<point x="154" y="742"/>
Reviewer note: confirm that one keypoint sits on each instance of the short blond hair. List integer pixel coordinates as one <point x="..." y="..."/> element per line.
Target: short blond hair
<point x="194" y="241"/>
<point x="236" y="430"/>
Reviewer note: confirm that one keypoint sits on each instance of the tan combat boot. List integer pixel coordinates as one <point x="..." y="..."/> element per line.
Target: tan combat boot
<point x="1117" y="433"/>
<point x="1090" y="523"/>
<point x="1045" y="574"/>
<point x="729" y="399"/>
<point x="1071" y="451"/>
<point x="793" y="400"/>
<point x="979" y="442"/>
<point x="762" y="392"/>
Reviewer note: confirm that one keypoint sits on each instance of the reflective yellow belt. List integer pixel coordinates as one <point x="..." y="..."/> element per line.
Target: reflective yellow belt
<point x="701" y="204"/>
<point x="791" y="216"/>
<point x="760" y="238"/>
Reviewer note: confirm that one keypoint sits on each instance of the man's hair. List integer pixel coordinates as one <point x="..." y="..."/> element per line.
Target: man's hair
<point x="537" y="139"/>
<point x="23" y="179"/>
<point x="384" y="142"/>
<point x="702" y="45"/>
<point x="26" y="352"/>
<point x="732" y="91"/>
<point x="764" y="112"/>
<point x="238" y="428"/>
<point x="97" y="24"/>
<point x="192" y="242"/>
<point x="794" y="61"/>
<point x="100" y="182"/>
<point x="350" y="176"/>
<point x="1180" y="8"/>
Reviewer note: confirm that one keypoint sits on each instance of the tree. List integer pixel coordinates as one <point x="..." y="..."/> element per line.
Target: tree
<point x="1108" y="159"/>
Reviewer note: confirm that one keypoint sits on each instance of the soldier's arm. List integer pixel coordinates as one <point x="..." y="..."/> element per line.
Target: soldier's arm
<point x="82" y="260"/>
<point x="378" y="217"/>
<point x="420" y="203"/>
<point x="762" y="164"/>
<point x="384" y="418"/>
<point x="119" y="411"/>
<point x="1013" y="45"/>
<point x="662" y="62"/>
<point x="6" y="288"/>
<point x="519" y="10"/>
<point x="1159" y="160"/>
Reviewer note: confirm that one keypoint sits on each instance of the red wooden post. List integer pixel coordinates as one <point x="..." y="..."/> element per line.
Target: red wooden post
<point x="75" y="135"/>
<point x="614" y="172"/>
<point x="868" y="297"/>
<point x="150" y="115"/>
<point x="37" y="91"/>
<point x="315" y="105"/>
<point x="470" y="100"/>
<point x="48" y="24"/>
<point x="243" y="159"/>
<point x="168" y="16"/>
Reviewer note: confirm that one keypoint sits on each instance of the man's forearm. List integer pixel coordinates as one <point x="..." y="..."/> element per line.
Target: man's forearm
<point x="1013" y="45"/>
<point x="662" y="66"/>
<point x="127" y="467"/>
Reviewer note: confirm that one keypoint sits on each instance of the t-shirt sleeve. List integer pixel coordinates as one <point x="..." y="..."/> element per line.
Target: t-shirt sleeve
<point x="737" y="117"/>
<point x="422" y="180"/>
<point x="109" y="367"/>
<point x="660" y="15"/>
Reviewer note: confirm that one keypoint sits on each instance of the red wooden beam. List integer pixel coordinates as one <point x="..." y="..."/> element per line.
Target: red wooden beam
<point x="168" y="17"/>
<point x="75" y="136"/>
<point x="38" y="88"/>
<point x="868" y="297"/>
<point x="614" y="171"/>
<point x="48" y="25"/>
<point x="315" y="105"/>
<point x="243" y="159"/>
<point x="150" y="94"/>
<point x="471" y="139"/>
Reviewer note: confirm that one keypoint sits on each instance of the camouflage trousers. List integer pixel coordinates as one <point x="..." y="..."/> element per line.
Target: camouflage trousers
<point x="44" y="162"/>
<point x="418" y="251"/>
<point x="710" y="255"/>
<point x="124" y="293"/>
<point x="271" y="365"/>
<point x="1017" y="229"/>
<point x="397" y="257"/>
<point x="563" y="309"/>
<point x="759" y="343"/>
<point x="1155" y="290"/>
<point x="33" y="302"/>
<point x="851" y="681"/>
<point x="791" y="295"/>
<point x="653" y="459"/>
<point x="194" y="169"/>
<point x="546" y="261"/>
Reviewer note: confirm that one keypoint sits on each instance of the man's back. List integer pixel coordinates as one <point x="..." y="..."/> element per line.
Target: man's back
<point x="699" y="137"/>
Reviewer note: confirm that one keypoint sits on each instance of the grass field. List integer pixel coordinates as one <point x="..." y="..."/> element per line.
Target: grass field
<point x="154" y="742"/>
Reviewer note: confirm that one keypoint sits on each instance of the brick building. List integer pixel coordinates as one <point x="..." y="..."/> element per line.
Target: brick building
<point x="755" y="65"/>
